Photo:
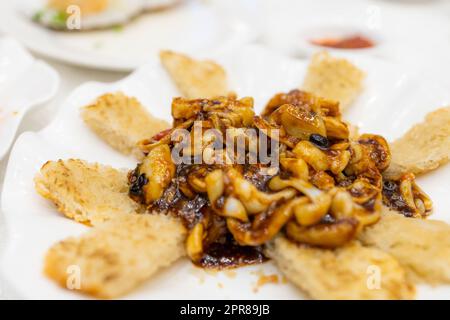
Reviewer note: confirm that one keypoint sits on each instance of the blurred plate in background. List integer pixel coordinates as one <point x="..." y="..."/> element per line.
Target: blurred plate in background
<point x="180" y="27"/>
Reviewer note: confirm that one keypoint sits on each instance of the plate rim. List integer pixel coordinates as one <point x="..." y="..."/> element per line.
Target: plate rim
<point x="50" y="74"/>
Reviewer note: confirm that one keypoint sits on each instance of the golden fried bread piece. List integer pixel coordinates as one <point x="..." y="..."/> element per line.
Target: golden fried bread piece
<point x="333" y="78"/>
<point x="122" y="121"/>
<point x="343" y="273"/>
<point x="195" y="79"/>
<point x="425" y="147"/>
<point x="421" y="246"/>
<point x="117" y="256"/>
<point x="87" y="193"/>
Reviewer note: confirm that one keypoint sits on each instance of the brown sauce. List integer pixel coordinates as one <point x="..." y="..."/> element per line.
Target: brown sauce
<point x="252" y="173"/>
<point x="231" y="255"/>
<point x="394" y="200"/>
<point x="221" y="251"/>
<point x="378" y="153"/>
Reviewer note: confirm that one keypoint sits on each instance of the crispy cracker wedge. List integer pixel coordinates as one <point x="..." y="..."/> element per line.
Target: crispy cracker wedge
<point x="421" y="246"/>
<point x="87" y="193"/>
<point x="333" y="78"/>
<point x="117" y="256"/>
<point x="121" y="122"/>
<point x="349" y="272"/>
<point x="195" y="79"/>
<point x="425" y="147"/>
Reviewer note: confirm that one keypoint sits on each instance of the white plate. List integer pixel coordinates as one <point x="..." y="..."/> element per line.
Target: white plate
<point x="191" y="27"/>
<point x="33" y="224"/>
<point x="24" y="84"/>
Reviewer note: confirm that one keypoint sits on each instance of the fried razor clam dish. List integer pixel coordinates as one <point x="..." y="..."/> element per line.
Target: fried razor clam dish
<point x="226" y="187"/>
<point x="326" y="190"/>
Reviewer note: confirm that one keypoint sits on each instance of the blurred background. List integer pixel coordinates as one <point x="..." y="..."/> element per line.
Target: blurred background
<point x="118" y="36"/>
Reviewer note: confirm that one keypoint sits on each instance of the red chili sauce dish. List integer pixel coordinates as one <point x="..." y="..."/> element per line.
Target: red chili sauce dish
<point x="351" y="42"/>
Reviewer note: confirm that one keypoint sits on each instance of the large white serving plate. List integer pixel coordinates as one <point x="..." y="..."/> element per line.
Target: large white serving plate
<point x="392" y="101"/>
<point x="24" y="83"/>
<point x="193" y="26"/>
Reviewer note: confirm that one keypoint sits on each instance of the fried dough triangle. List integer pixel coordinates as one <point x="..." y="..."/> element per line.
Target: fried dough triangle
<point x="121" y="122"/>
<point x="421" y="246"/>
<point x="333" y="78"/>
<point x="343" y="273"/>
<point x="85" y="192"/>
<point x="195" y="79"/>
<point x="115" y="257"/>
<point x="425" y="147"/>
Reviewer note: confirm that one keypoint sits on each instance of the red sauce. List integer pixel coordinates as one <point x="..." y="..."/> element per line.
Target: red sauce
<point x="161" y="134"/>
<point x="352" y="42"/>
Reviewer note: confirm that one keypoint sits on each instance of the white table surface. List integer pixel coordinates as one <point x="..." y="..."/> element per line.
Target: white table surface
<point x="73" y="76"/>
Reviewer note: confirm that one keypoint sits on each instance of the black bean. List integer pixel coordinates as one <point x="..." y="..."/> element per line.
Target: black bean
<point x="319" y="140"/>
<point x="389" y="185"/>
<point x="135" y="190"/>
<point x="137" y="183"/>
<point x="142" y="180"/>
